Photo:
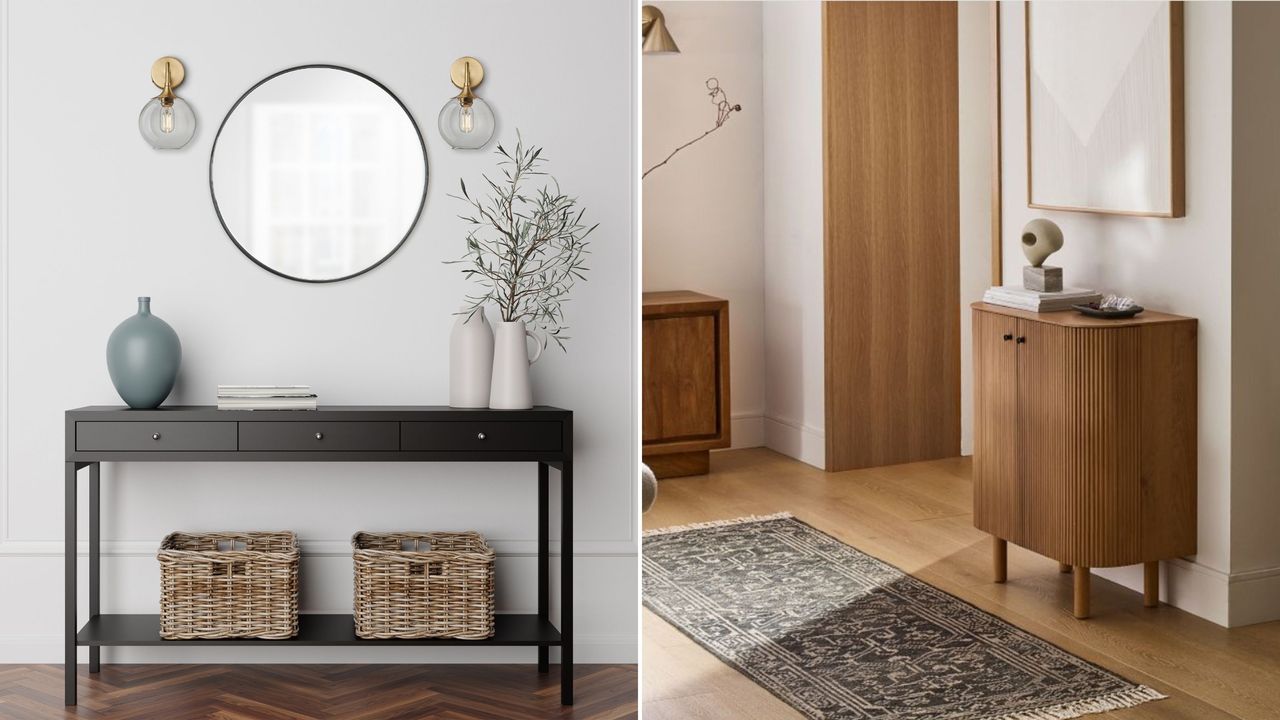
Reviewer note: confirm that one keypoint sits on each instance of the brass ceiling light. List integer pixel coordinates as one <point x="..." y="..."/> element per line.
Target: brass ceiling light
<point x="653" y="28"/>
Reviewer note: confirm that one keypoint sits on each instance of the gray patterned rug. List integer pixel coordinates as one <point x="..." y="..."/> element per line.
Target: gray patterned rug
<point x="839" y="634"/>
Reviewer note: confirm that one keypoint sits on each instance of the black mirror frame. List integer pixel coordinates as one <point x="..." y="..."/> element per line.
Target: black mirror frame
<point x="426" y="175"/>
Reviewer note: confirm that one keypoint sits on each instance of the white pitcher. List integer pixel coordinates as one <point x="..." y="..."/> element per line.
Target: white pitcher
<point x="470" y="361"/>
<point x="511" y="361"/>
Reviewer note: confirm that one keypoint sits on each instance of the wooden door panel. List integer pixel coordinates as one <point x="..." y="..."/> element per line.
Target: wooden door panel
<point x="891" y="219"/>
<point x="680" y="380"/>
<point x="1079" y="422"/>
<point x="995" y="386"/>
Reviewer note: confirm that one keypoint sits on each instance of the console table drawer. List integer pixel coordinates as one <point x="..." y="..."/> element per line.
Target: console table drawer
<point x="320" y="436"/>
<point x="480" y="436"/>
<point x="157" y="436"/>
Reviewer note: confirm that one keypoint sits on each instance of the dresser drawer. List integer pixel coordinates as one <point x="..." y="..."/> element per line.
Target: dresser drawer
<point x="157" y="436"/>
<point x="534" y="436"/>
<point x="300" y="436"/>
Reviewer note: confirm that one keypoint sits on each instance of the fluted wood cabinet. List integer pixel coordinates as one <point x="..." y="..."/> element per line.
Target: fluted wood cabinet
<point x="1085" y="439"/>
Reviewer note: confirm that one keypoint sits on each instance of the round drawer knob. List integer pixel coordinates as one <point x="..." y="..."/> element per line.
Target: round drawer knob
<point x="155" y="436"/>
<point x="319" y="436"/>
<point x="480" y="436"/>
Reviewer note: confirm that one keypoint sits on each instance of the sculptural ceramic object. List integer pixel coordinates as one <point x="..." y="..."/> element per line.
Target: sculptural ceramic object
<point x="143" y="354"/>
<point x="1040" y="239"/>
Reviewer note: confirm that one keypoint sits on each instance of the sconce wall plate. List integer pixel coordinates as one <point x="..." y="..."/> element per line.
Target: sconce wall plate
<point x="177" y="73"/>
<point x="167" y="122"/>
<point x="466" y="122"/>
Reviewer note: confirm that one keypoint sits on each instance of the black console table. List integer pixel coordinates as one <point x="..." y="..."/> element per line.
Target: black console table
<point x="543" y="435"/>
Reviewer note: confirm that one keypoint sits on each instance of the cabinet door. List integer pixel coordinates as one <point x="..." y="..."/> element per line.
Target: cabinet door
<point x="680" y="396"/>
<point x="1078" y="424"/>
<point x="995" y="420"/>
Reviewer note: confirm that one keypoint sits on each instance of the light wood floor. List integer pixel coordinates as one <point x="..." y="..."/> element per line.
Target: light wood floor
<point x="917" y="517"/>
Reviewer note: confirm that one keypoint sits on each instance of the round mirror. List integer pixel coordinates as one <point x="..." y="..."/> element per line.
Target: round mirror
<point x="318" y="173"/>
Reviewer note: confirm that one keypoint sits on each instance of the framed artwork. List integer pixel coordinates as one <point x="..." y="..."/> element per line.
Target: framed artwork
<point x="1104" y="107"/>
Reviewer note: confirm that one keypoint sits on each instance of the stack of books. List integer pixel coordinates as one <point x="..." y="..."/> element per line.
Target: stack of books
<point x="266" y="397"/>
<point x="1037" y="301"/>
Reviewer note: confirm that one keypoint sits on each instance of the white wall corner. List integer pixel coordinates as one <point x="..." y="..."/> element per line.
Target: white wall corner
<point x="802" y="442"/>
<point x="747" y="430"/>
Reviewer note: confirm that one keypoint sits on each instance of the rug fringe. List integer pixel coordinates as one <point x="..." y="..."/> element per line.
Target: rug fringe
<point x="1130" y="697"/>
<point x="718" y="523"/>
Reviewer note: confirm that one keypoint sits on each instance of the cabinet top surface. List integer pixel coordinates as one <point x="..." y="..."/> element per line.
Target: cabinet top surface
<point x="354" y="413"/>
<point x="1071" y="318"/>
<point x="679" y="297"/>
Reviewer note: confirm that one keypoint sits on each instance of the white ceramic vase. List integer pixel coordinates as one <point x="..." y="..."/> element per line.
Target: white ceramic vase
<point x="470" y="361"/>
<point x="511" y="361"/>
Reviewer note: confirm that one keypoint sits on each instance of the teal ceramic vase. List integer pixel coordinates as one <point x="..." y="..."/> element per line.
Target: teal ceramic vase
<point x="143" y="354"/>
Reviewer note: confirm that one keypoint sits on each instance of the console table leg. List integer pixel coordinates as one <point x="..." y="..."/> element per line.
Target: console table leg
<point x="544" y="560"/>
<point x="1151" y="584"/>
<point x="566" y="583"/>
<point x="95" y="558"/>
<point x="69" y="584"/>
<point x="1081" y="576"/>
<point x="999" y="559"/>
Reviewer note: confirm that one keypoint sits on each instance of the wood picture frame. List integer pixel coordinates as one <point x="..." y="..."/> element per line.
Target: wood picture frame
<point x="1109" y="174"/>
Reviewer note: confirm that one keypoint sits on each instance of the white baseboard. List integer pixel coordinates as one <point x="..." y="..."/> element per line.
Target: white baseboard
<point x="794" y="439"/>
<point x="47" y="650"/>
<point x="1255" y="596"/>
<point x="1228" y="599"/>
<point x="746" y="430"/>
<point x="314" y="548"/>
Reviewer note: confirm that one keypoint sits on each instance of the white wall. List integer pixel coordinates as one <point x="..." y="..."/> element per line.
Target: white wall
<point x="93" y="217"/>
<point x="973" y="40"/>
<point x="702" y="211"/>
<point x="1181" y="266"/>
<point x="1255" y="294"/>
<point x="793" y="231"/>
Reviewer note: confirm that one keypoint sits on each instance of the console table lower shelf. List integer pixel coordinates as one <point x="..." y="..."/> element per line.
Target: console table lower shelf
<point x="313" y="630"/>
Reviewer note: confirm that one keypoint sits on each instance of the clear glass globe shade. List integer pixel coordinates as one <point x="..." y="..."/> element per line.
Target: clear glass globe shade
<point x="167" y="128"/>
<point x="466" y="128"/>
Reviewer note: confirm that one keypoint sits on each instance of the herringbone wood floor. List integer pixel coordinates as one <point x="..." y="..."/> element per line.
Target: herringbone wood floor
<point x="307" y="692"/>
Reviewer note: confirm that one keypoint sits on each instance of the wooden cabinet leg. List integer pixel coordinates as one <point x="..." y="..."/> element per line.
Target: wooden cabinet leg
<point x="999" y="559"/>
<point x="1151" y="583"/>
<point x="1064" y="567"/>
<point x="1081" y="576"/>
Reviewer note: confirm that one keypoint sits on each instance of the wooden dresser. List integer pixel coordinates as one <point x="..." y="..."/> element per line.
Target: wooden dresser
<point x="685" y="385"/>
<point x="1085" y="439"/>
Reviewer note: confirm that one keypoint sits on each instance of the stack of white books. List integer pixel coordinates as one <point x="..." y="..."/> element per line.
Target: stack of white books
<point x="1037" y="301"/>
<point x="266" y="397"/>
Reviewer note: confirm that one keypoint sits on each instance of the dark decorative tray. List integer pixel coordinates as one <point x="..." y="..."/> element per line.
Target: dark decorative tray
<point x="1092" y="310"/>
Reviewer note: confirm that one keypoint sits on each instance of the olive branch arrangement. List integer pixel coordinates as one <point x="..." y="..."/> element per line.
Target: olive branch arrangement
<point x="525" y="249"/>
<point x="724" y="109"/>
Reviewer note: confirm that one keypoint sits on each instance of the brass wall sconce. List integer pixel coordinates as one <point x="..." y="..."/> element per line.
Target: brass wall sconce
<point x="653" y="28"/>
<point x="167" y="122"/>
<point x="466" y="122"/>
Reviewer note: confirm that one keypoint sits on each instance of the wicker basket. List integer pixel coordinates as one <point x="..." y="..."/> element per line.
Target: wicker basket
<point x="423" y="585"/>
<point x="229" y="585"/>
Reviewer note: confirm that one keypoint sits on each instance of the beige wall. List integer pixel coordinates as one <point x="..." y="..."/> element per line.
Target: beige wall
<point x="1255" y="297"/>
<point x="703" y="216"/>
<point x="973" y="40"/>
<point x="793" y="303"/>
<point x="1181" y="266"/>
